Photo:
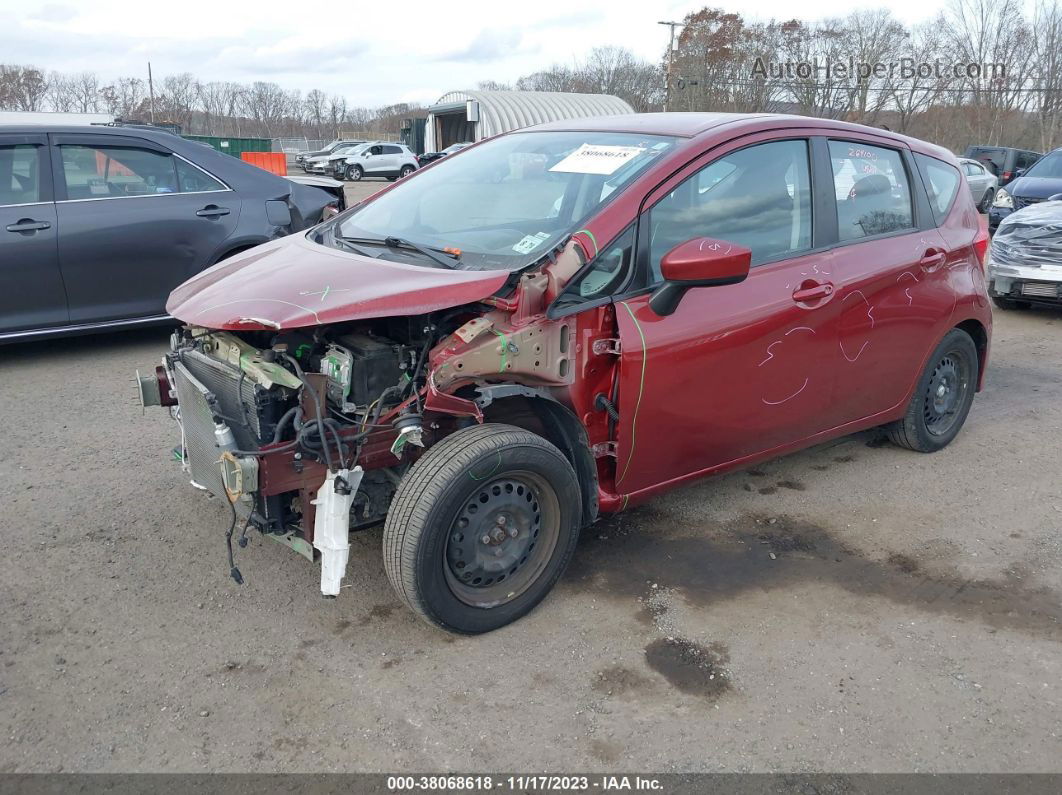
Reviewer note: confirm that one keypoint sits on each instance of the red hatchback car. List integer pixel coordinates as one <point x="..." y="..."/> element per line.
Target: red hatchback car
<point x="564" y="321"/>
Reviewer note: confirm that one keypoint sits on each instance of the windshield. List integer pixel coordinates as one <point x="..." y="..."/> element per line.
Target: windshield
<point x="1049" y="166"/>
<point x="506" y="202"/>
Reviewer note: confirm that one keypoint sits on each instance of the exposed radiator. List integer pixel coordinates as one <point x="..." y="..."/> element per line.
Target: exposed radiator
<point x="197" y="422"/>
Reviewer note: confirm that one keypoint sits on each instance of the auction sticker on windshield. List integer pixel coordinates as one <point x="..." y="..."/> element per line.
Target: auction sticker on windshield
<point x="597" y="159"/>
<point x="530" y="242"/>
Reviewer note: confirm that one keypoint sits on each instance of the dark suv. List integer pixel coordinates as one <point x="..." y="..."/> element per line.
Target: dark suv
<point x="101" y="223"/>
<point x="1003" y="161"/>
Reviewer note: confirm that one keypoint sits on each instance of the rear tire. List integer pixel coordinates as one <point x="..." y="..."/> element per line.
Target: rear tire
<point x="490" y="481"/>
<point x="406" y="171"/>
<point x="942" y="398"/>
<point x="355" y="173"/>
<point x="1009" y="303"/>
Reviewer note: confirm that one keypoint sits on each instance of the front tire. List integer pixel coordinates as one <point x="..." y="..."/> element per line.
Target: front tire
<point x="481" y="528"/>
<point x="942" y="398"/>
<point x="986" y="202"/>
<point x="355" y="173"/>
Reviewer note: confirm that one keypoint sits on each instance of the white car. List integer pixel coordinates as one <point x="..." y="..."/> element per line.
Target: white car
<point x="379" y="160"/>
<point x="322" y="164"/>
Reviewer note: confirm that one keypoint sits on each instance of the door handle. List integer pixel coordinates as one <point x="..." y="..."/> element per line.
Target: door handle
<point x="932" y="259"/>
<point x="28" y="225"/>
<point x="212" y="211"/>
<point x="813" y="292"/>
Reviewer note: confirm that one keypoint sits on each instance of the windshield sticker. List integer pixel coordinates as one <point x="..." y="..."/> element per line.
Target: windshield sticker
<point x="530" y="242"/>
<point x="594" y="159"/>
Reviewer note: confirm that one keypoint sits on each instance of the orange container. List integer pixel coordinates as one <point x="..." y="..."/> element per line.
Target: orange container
<point x="273" y="162"/>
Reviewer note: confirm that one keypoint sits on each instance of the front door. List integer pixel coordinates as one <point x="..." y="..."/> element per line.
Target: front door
<point x="735" y="370"/>
<point x="31" y="287"/>
<point x="137" y="221"/>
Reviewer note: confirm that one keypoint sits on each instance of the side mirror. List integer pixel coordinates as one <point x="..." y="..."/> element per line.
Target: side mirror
<point x="701" y="262"/>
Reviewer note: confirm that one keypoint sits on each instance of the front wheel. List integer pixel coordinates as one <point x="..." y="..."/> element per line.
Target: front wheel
<point x="481" y="528"/>
<point x="986" y="202"/>
<point x="355" y="173"/>
<point x="942" y="398"/>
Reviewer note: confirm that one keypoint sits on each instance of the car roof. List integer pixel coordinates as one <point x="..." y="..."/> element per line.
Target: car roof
<point x="692" y="125"/>
<point x="41" y="129"/>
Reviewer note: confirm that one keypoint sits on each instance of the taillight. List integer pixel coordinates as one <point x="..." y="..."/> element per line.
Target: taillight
<point x="1006" y="175"/>
<point x="980" y="243"/>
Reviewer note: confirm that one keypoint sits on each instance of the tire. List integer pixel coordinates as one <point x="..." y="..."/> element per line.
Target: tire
<point x="465" y="483"/>
<point x="942" y="398"/>
<point x="355" y="173"/>
<point x="1009" y="303"/>
<point x="406" y="171"/>
<point x="986" y="202"/>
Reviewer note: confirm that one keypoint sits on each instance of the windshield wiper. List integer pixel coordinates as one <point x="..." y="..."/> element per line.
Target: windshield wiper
<point x="444" y="258"/>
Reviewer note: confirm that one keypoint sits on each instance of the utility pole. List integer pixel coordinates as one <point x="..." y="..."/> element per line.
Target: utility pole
<point x="151" y="93"/>
<point x="670" y="62"/>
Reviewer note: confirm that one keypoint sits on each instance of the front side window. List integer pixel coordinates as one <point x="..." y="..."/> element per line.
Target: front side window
<point x="505" y="203"/>
<point x="759" y="197"/>
<point x="942" y="183"/>
<point x="872" y="190"/>
<point x="96" y="172"/>
<point x="20" y="181"/>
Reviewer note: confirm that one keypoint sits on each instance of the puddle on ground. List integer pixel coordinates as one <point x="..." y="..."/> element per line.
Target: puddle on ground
<point x="764" y="553"/>
<point x="690" y="667"/>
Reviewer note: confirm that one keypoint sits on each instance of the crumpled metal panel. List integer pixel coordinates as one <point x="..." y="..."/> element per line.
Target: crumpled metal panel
<point x="1030" y="238"/>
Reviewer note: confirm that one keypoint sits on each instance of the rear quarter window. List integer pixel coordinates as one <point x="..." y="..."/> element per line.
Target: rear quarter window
<point x="942" y="181"/>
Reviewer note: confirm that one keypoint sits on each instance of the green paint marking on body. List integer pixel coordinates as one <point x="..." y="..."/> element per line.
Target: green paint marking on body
<point x="504" y="350"/>
<point x="590" y="235"/>
<point x="641" y="388"/>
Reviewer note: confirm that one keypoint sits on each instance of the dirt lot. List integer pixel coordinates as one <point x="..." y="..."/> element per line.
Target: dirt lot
<point x="854" y="607"/>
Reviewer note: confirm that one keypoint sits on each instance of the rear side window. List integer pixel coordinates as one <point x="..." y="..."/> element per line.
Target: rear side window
<point x="100" y="172"/>
<point x="872" y="191"/>
<point x="392" y="150"/>
<point x="20" y="181"/>
<point x="942" y="184"/>
<point x="194" y="180"/>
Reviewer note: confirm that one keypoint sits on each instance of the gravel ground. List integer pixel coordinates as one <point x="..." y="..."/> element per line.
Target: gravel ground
<point x="854" y="607"/>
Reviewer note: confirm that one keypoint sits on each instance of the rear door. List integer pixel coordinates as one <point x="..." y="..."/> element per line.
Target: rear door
<point x="137" y="220"/>
<point x="890" y="269"/>
<point x="386" y="163"/>
<point x="31" y="287"/>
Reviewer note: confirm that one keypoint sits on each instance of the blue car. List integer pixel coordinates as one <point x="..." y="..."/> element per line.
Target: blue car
<point x="1042" y="181"/>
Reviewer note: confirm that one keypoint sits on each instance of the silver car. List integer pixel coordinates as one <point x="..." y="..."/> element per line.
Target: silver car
<point x="982" y="183"/>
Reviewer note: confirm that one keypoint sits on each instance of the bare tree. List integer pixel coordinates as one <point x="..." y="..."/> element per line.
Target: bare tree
<point x="1047" y="30"/>
<point x="125" y="97"/>
<point x="22" y="87"/>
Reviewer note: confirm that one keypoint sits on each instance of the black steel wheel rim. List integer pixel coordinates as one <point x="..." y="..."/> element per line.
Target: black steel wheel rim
<point x="946" y="392"/>
<point x="502" y="539"/>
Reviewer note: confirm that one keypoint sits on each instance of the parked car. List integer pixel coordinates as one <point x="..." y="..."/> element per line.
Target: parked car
<point x="981" y="181"/>
<point x="431" y="157"/>
<point x="565" y="321"/>
<point x="380" y="160"/>
<point x="337" y="162"/>
<point x="1003" y="162"/>
<point x="101" y="223"/>
<point x="302" y="157"/>
<point x="323" y="164"/>
<point x="1042" y="181"/>
<point x="1025" y="260"/>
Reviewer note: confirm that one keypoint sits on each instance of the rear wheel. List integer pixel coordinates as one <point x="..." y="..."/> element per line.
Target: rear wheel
<point x="355" y="173"/>
<point x="1009" y="303"/>
<point x="986" y="201"/>
<point x="942" y="398"/>
<point x="406" y="171"/>
<point x="481" y="528"/>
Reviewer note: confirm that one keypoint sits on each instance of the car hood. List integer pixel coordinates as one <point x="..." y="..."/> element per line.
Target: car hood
<point x="293" y="282"/>
<point x="1035" y="187"/>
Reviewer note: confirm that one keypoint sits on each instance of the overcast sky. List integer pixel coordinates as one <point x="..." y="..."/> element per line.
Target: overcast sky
<point x="373" y="53"/>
